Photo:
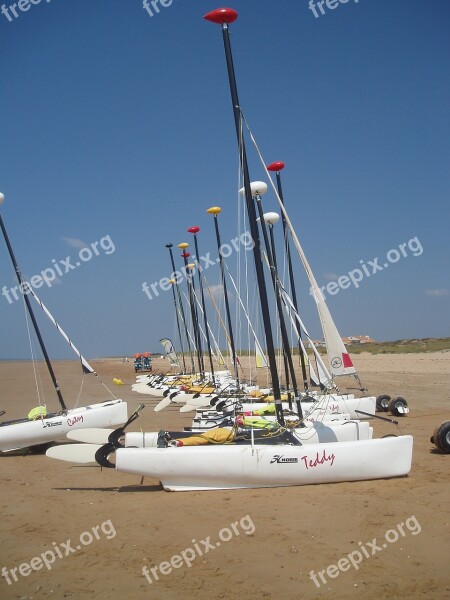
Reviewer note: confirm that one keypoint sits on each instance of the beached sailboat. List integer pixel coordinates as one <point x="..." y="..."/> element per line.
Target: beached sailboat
<point x="263" y="458"/>
<point x="41" y="427"/>
<point x="255" y="460"/>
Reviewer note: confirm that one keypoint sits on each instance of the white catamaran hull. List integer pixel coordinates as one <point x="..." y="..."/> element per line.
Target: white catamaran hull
<point x="229" y="467"/>
<point x="335" y="404"/>
<point x="323" y="433"/>
<point x="143" y="388"/>
<point x="22" y="434"/>
<point x="205" y="423"/>
<point x="200" y="400"/>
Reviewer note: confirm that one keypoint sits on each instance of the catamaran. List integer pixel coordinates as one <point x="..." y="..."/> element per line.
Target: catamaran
<point x="41" y="427"/>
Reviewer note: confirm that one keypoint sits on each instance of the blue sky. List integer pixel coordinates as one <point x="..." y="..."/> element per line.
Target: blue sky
<point x="117" y="126"/>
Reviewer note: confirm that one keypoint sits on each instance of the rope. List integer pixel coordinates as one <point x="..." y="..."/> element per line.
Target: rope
<point x="36" y="373"/>
<point x="79" y="393"/>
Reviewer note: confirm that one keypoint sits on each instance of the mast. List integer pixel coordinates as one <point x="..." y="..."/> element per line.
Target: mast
<point x="23" y="286"/>
<point x="223" y="17"/>
<point x="173" y="282"/>
<point x="215" y="210"/>
<point x="273" y="218"/>
<point x="270" y="219"/>
<point x="180" y="303"/>
<point x="194" y="230"/>
<point x="190" y="285"/>
<point x="277" y="167"/>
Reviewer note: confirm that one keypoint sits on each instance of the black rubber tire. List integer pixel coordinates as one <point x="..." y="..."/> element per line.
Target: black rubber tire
<point x="382" y="403"/>
<point x="441" y="437"/>
<point x="393" y="406"/>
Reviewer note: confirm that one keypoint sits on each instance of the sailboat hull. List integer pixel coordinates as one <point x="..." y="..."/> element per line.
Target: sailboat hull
<point x="312" y="411"/>
<point x="22" y="434"/>
<point x="319" y="405"/>
<point x="344" y="404"/>
<point x="323" y="433"/>
<point x="231" y="467"/>
<point x="206" y="423"/>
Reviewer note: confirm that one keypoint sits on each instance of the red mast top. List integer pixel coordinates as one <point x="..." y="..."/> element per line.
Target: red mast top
<point x="276" y="166"/>
<point x="221" y="16"/>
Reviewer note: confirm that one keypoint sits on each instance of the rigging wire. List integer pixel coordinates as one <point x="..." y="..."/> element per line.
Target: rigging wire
<point x="37" y="377"/>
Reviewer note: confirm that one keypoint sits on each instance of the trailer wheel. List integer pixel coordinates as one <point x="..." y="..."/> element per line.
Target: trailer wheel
<point x="441" y="437"/>
<point x="398" y="407"/>
<point x="382" y="403"/>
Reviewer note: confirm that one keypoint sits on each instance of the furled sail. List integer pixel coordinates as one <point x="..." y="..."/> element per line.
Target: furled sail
<point x="170" y="352"/>
<point x="261" y="362"/>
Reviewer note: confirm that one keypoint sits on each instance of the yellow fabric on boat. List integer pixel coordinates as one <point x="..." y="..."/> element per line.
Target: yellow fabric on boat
<point x="222" y="435"/>
<point x="203" y="390"/>
<point x="36" y="413"/>
<point x="256" y="394"/>
<point x="265" y="397"/>
<point x="271" y="398"/>
<point x="266" y="410"/>
<point x="259" y="423"/>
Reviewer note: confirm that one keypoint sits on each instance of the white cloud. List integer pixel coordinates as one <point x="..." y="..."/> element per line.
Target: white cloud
<point x="217" y="292"/>
<point x="74" y="242"/>
<point x="438" y="293"/>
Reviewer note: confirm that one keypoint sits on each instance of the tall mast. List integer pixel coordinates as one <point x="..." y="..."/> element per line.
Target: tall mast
<point x="191" y="294"/>
<point x="270" y="219"/>
<point x="223" y="17"/>
<point x="180" y="303"/>
<point x="259" y="188"/>
<point x="180" y="337"/>
<point x="23" y="286"/>
<point x="277" y="167"/>
<point x="194" y="230"/>
<point x="215" y="210"/>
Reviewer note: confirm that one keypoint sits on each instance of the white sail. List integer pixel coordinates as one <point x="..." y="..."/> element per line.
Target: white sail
<point x="170" y="352"/>
<point x="86" y="366"/>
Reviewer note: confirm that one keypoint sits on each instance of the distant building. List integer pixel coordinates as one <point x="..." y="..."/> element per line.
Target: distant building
<point x="348" y="341"/>
<point x="358" y="339"/>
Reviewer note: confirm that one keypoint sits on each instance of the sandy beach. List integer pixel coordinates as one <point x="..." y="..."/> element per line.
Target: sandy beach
<point x="279" y="535"/>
